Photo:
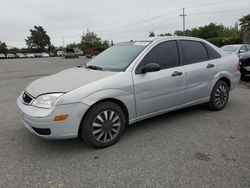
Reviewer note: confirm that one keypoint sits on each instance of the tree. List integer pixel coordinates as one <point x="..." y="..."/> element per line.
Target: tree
<point x="178" y="33"/>
<point x="3" y="48"/>
<point x="217" y="34"/>
<point x="92" y="44"/>
<point x="38" y="39"/>
<point x="166" y="34"/>
<point x="73" y="45"/>
<point x="151" y="34"/>
<point x="245" y="28"/>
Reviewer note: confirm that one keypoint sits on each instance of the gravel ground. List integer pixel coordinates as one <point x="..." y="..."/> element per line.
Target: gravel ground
<point x="193" y="147"/>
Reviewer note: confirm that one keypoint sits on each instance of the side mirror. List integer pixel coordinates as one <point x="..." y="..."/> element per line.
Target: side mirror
<point x="151" y="67"/>
<point x="242" y="51"/>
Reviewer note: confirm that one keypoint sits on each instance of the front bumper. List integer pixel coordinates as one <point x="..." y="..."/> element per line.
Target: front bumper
<point x="245" y="70"/>
<point x="41" y="121"/>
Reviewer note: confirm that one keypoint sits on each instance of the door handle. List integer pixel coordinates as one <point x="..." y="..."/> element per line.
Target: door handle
<point x="209" y="66"/>
<point x="176" y="73"/>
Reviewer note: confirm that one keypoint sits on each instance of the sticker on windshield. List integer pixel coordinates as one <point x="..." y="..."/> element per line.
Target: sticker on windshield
<point x="141" y="43"/>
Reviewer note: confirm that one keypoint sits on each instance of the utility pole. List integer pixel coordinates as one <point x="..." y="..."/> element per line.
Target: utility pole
<point x="183" y="16"/>
<point x="63" y="41"/>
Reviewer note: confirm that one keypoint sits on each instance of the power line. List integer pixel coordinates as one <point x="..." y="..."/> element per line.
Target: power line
<point x="138" y="24"/>
<point x="162" y="15"/>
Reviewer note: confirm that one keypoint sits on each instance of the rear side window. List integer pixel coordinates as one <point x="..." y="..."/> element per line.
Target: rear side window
<point x="212" y="54"/>
<point x="165" y="54"/>
<point x="193" y="52"/>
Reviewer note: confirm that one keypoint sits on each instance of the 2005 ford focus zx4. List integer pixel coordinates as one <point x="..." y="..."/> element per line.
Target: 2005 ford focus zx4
<point x="127" y="83"/>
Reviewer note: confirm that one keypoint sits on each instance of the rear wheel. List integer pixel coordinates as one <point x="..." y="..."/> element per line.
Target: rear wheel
<point x="103" y="125"/>
<point x="219" y="96"/>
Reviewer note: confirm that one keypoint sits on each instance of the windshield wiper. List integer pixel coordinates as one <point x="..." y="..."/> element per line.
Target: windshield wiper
<point x="94" y="67"/>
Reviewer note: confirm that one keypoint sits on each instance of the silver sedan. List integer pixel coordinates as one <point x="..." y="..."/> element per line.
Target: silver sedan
<point x="125" y="84"/>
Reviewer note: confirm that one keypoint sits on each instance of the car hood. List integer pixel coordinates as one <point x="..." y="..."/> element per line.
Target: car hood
<point x="66" y="81"/>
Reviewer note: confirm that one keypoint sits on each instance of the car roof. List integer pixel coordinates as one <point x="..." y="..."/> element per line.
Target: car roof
<point x="156" y="39"/>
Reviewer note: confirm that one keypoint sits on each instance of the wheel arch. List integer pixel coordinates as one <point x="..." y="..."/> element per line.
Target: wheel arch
<point x="114" y="100"/>
<point x="227" y="80"/>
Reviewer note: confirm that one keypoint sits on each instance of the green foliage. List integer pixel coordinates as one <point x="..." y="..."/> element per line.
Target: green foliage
<point x="151" y="34"/>
<point x="38" y="40"/>
<point x="14" y="50"/>
<point x="245" y="28"/>
<point x="73" y="45"/>
<point x="178" y="33"/>
<point x="221" y="41"/>
<point x="166" y="34"/>
<point x="215" y="33"/>
<point x="92" y="44"/>
<point x="3" y="48"/>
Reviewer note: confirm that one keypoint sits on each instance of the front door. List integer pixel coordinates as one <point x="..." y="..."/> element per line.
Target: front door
<point x="158" y="91"/>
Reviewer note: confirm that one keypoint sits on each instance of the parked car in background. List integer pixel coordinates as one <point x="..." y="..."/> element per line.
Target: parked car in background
<point x="70" y="53"/>
<point x="10" y="56"/>
<point x="60" y="53"/>
<point x="245" y="64"/>
<point x="30" y="55"/>
<point x="79" y="52"/>
<point x="20" y="55"/>
<point x="43" y="54"/>
<point x="38" y="54"/>
<point x="52" y="54"/>
<point x="236" y="48"/>
<point x="2" y="56"/>
<point x="125" y="84"/>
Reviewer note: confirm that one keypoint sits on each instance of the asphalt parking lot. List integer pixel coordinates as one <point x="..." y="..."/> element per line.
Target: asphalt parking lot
<point x="193" y="147"/>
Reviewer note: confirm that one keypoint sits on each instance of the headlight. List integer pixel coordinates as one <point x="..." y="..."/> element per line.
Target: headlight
<point x="47" y="100"/>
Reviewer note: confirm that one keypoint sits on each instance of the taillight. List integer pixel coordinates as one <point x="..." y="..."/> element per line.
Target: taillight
<point x="238" y="66"/>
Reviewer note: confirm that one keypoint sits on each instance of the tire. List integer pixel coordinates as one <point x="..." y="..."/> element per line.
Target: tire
<point x="103" y="125"/>
<point x="219" y="96"/>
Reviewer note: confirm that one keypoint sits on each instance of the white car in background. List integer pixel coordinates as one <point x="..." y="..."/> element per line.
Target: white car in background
<point x="2" y="56"/>
<point x="9" y="56"/>
<point x="30" y="55"/>
<point x="43" y="54"/>
<point x="60" y="53"/>
<point x="236" y="48"/>
<point x="20" y="55"/>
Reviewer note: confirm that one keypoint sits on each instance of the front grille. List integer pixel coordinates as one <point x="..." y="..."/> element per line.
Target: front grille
<point x="26" y="98"/>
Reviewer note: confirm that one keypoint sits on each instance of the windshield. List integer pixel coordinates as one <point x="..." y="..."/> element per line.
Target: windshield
<point x="118" y="57"/>
<point x="231" y="49"/>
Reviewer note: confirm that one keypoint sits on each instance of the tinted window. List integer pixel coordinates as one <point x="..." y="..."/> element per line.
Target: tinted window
<point x="165" y="54"/>
<point x="212" y="54"/>
<point x="193" y="52"/>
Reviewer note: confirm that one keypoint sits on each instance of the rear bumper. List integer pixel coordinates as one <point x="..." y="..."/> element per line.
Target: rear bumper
<point x="41" y="121"/>
<point x="235" y="80"/>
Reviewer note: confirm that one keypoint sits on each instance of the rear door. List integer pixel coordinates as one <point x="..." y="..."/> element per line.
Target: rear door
<point x="199" y="70"/>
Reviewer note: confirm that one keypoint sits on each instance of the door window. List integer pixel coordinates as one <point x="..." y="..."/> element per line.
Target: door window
<point x="212" y="54"/>
<point x="193" y="52"/>
<point x="165" y="54"/>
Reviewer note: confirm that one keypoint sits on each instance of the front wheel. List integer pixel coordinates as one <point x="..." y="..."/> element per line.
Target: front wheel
<point x="219" y="96"/>
<point x="103" y="125"/>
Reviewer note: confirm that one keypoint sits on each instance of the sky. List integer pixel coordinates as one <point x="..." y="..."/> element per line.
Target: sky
<point x="119" y="20"/>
